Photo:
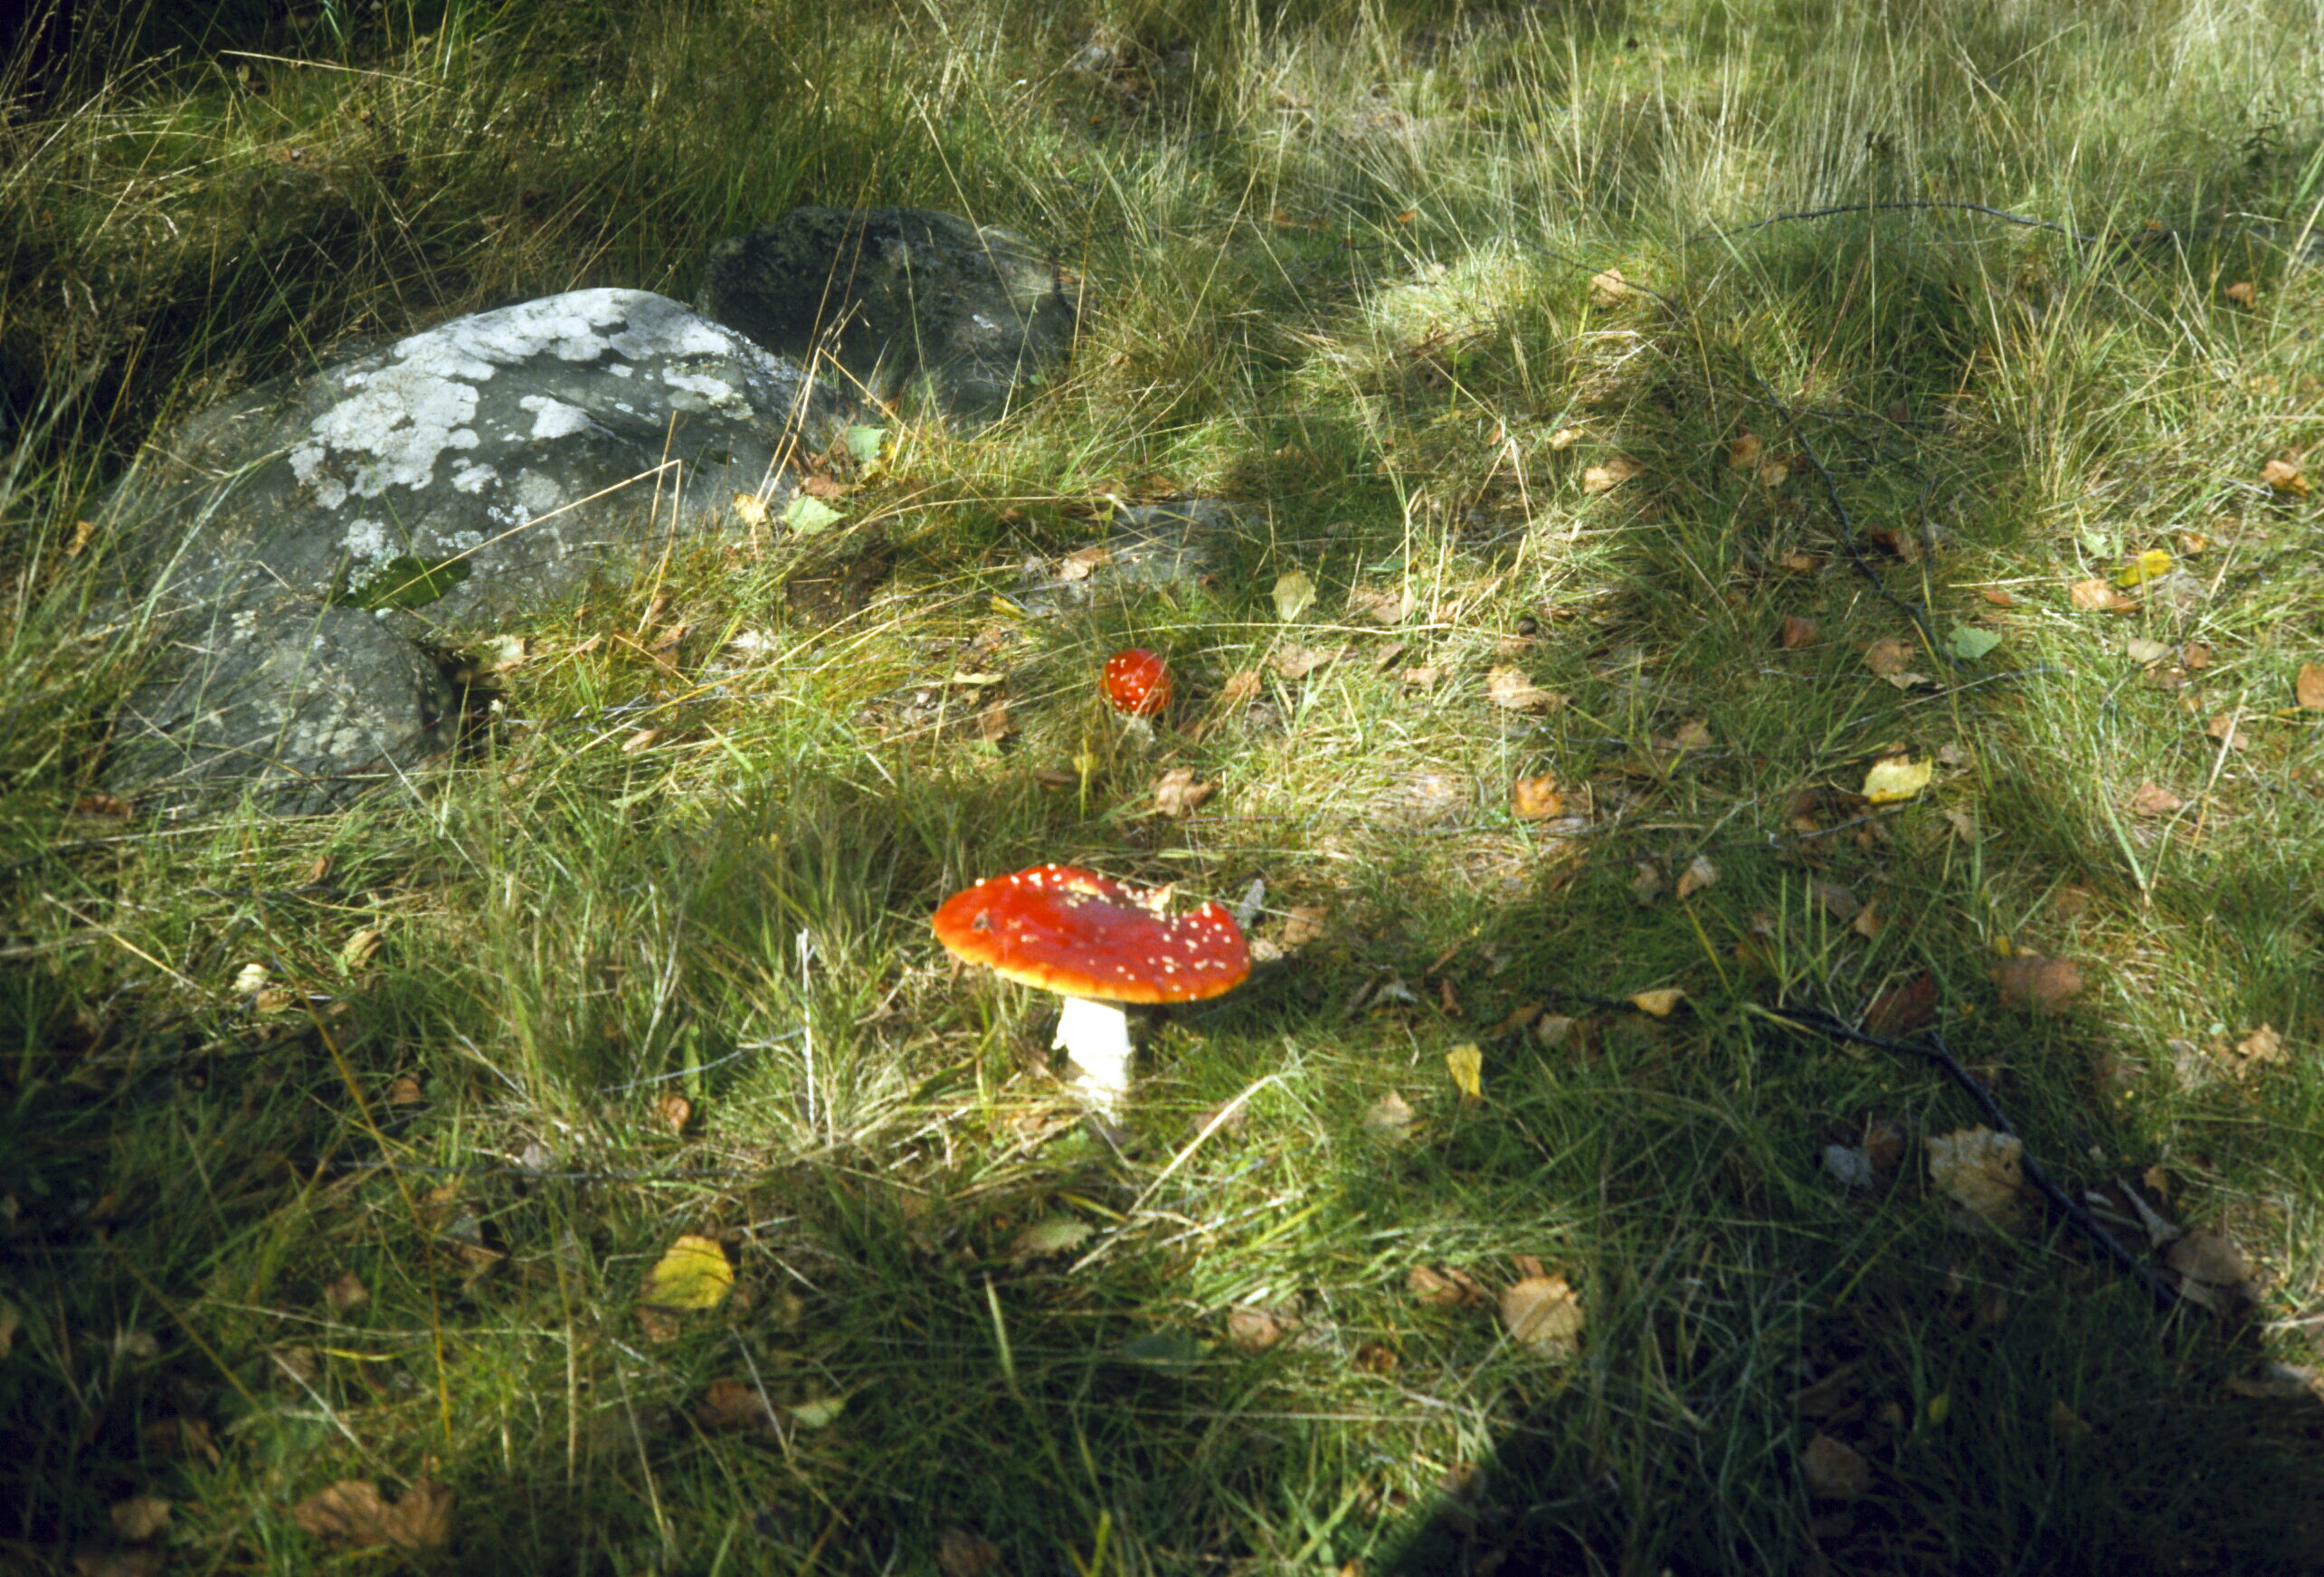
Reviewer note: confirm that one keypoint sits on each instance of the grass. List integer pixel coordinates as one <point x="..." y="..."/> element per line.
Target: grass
<point x="1343" y="259"/>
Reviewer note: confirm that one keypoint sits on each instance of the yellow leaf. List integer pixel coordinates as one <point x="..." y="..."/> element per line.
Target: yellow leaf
<point x="693" y="1275"/>
<point x="1940" y="1408"/>
<point x="1295" y="593"/>
<point x="1542" y="1313"/>
<point x="1467" y="1064"/>
<point x="1601" y="478"/>
<point x="1895" y="779"/>
<point x="2150" y="565"/>
<point x="1657" y="1002"/>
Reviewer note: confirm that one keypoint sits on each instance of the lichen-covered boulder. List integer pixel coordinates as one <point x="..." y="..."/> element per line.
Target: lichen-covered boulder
<point x="427" y="489"/>
<point x="898" y="303"/>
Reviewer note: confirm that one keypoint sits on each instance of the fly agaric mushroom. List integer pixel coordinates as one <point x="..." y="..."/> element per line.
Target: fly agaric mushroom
<point x="1137" y="681"/>
<point x="1099" y="944"/>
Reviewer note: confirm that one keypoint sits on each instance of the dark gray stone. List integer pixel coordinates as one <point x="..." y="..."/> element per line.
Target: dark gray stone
<point x="426" y="489"/>
<point x="907" y="301"/>
<point x="308" y="706"/>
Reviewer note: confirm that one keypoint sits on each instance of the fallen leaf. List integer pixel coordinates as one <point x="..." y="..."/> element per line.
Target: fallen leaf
<point x="1296" y="662"/>
<point x="1239" y="688"/>
<point x="2284" y="477"/>
<point x="2150" y="565"/>
<point x="1660" y="1002"/>
<point x="1997" y="596"/>
<point x="1902" y="1008"/>
<point x="994" y="725"/>
<point x="806" y="517"/>
<point x="1386" y="607"/>
<point x="139" y="1517"/>
<point x="360" y="947"/>
<point x="1650" y="882"/>
<point x="2098" y="596"/>
<point x="961" y="1553"/>
<point x="672" y="1112"/>
<point x="693" y="1274"/>
<point x="643" y="739"/>
<point x="1868" y="925"/>
<point x="1079" y="565"/>
<point x="2308" y="689"/>
<point x="1389" y="1117"/>
<point x="1181" y="792"/>
<point x="404" y="1091"/>
<point x="2142" y="650"/>
<point x="1053" y="1234"/>
<point x="1294" y="594"/>
<point x="2066" y="1424"/>
<point x="1832" y="1470"/>
<point x="1542" y="1313"/>
<point x="1566" y="437"/>
<point x="1509" y="686"/>
<point x="751" y="508"/>
<point x="2208" y="1256"/>
<point x="2262" y="1045"/>
<point x="1968" y="643"/>
<point x="1963" y="827"/>
<point x="353" y="1512"/>
<point x="1604" y="479"/>
<point x="1303" y="923"/>
<point x="2149" y="799"/>
<point x="1446" y="1288"/>
<point x="2242" y="292"/>
<point x="1883" y="1141"/>
<point x="1895" y="779"/>
<point x="736" y="1404"/>
<point x="2035" y="985"/>
<point x="1536" y="799"/>
<point x="1419" y="680"/>
<point x="346" y="1292"/>
<point x="1693" y="734"/>
<point x="1700" y="873"/>
<point x="1980" y="1171"/>
<point x="1607" y="289"/>
<point x="1744" y="453"/>
<point x="2223" y="727"/>
<point x="1891" y="654"/>
<point x="112" y="806"/>
<point x="1255" y="1330"/>
<point x="1834" y="899"/>
<point x="1796" y="632"/>
<point x="1467" y="1062"/>
<point x="1803" y="563"/>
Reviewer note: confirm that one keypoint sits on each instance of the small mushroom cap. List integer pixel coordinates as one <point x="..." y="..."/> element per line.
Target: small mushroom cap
<point x="1137" y="682"/>
<point x="1081" y="935"/>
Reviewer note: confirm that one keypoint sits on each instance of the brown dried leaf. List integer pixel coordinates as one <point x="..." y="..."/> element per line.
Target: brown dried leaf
<point x="1387" y="606"/>
<point x="346" y="1292"/>
<point x="1419" y="681"/>
<point x="2262" y="1045"/>
<point x="1661" y="1002"/>
<point x="2151" y="799"/>
<point x="141" y="1517"/>
<point x="1536" y="799"/>
<point x="111" y="806"/>
<point x="1566" y="437"/>
<point x="1303" y="923"/>
<point x="2208" y="1256"/>
<point x="1997" y="596"/>
<point x="1181" y="792"/>
<point x="1605" y="478"/>
<point x="1980" y="1171"/>
<point x="1239" y="688"/>
<point x="1077" y="564"/>
<point x="1509" y="686"/>
<point x="353" y="1512"/>
<point x="672" y="1112"/>
<point x="1891" y="654"/>
<point x="736" y="1404"/>
<point x="2308" y="689"/>
<point x="961" y="1553"/>
<point x="2033" y="984"/>
<point x="2283" y="475"/>
<point x="1255" y="1330"/>
<point x="1803" y="563"/>
<point x="1700" y="873"/>
<point x="1446" y="1288"/>
<point x="1832" y="1470"/>
<point x="824" y="487"/>
<point x="1883" y="1141"/>
<point x="1744" y="453"/>
<point x="2098" y="595"/>
<point x="1609" y="289"/>
<point x="404" y="1091"/>
<point x="1902" y="1008"/>
<point x="1796" y="632"/>
<point x="2242" y="292"/>
<point x="1837" y="900"/>
<point x="1542" y="1313"/>
<point x="2224" y="726"/>
<point x="1296" y="662"/>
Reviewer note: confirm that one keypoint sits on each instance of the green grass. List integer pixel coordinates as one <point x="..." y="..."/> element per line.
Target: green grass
<point x="1342" y="262"/>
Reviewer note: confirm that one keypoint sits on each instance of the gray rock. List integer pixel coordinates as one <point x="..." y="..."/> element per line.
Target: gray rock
<point x="906" y="301"/>
<point x="427" y="490"/>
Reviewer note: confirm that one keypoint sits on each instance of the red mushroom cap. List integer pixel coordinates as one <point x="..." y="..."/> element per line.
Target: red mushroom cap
<point x="1137" y="681"/>
<point x="1080" y="934"/>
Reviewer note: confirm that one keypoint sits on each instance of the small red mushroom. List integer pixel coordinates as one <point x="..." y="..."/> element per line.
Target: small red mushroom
<point x="1137" y="682"/>
<point x="1098" y="944"/>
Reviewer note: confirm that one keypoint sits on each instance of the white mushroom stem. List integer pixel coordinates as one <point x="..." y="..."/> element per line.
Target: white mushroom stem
<point x="1096" y="1035"/>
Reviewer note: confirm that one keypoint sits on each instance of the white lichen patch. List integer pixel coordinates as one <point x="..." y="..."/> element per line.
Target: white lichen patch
<point x="470" y="476"/>
<point x="399" y="415"/>
<point x="717" y="393"/>
<point x="554" y="418"/>
<point x="365" y="539"/>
